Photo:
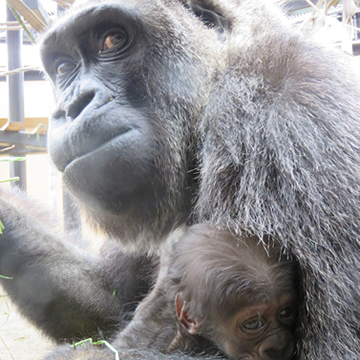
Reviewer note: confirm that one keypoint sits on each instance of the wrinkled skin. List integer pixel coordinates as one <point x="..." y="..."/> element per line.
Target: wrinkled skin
<point x="170" y="111"/>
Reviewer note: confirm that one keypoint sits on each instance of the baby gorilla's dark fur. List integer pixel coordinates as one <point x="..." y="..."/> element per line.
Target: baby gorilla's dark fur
<point x="222" y="292"/>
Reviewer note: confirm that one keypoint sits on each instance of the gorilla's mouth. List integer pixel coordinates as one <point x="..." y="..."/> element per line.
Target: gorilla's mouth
<point x="115" y="175"/>
<point x="104" y="150"/>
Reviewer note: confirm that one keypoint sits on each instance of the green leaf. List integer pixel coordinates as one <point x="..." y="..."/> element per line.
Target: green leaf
<point x="101" y="342"/>
<point x="12" y="159"/>
<point x="10" y="179"/>
<point x="6" y="277"/>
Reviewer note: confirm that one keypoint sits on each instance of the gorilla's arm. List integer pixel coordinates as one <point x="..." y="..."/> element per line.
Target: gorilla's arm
<point x="65" y="291"/>
<point x="153" y="333"/>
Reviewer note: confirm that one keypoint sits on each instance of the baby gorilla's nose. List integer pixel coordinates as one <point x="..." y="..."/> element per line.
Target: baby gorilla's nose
<point x="278" y="346"/>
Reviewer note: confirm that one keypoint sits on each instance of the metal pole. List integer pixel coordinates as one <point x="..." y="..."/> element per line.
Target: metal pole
<point x="18" y="168"/>
<point x="357" y="24"/>
<point x="16" y="92"/>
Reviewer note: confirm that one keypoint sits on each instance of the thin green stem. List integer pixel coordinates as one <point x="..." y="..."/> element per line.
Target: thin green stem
<point x="101" y="342"/>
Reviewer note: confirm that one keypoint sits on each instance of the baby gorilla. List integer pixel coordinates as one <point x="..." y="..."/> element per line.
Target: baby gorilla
<point x="222" y="292"/>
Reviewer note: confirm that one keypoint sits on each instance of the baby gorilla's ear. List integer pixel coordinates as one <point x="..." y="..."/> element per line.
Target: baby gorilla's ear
<point x="192" y="326"/>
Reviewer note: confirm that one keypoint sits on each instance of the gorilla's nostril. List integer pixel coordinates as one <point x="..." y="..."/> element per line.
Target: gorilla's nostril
<point x="58" y="114"/>
<point x="79" y="105"/>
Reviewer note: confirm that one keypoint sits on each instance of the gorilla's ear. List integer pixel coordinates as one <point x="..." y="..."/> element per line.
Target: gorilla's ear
<point x="192" y="326"/>
<point x="210" y="17"/>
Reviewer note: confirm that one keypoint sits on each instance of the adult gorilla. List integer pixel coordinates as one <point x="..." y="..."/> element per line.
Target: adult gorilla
<point x="175" y="110"/>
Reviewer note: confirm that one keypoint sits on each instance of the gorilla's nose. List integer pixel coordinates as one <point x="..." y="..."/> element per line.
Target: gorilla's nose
<point x="279" y="346"/>
<point x="74" y="109"/>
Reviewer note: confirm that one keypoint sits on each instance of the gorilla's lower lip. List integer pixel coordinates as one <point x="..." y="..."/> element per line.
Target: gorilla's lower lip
<point x="101" y="148"/>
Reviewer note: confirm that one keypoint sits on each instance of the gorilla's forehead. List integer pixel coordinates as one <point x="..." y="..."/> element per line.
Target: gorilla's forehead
<point x="77" y="23"/>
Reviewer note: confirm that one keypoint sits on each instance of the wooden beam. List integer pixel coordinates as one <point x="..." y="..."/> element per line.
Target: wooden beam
<point x="37" y="24"/>
<point x="13" y="126"/>
<point x="33" y="125"/>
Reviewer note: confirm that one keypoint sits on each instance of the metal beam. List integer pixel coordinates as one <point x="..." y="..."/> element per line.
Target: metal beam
<point x="23" y="140"/>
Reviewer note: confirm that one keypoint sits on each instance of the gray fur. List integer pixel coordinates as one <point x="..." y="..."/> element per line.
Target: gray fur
<point x="67" y="292"/>
<point x="280" y="156"/>
<point x="266" y="140"/>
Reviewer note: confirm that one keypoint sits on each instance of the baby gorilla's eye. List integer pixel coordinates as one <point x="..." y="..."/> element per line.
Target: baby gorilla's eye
<point x="112" y="40"/>
<point x="287" y="314"/>
<point x="65" y="67"/>
<point x="253" y="325"/>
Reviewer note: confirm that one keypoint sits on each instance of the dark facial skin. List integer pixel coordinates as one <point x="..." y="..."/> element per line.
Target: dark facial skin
<point x="261" y="331"/>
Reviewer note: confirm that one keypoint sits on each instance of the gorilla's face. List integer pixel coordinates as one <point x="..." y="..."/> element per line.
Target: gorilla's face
<point x="130" y="84"/>
<point x="101" y="137"/>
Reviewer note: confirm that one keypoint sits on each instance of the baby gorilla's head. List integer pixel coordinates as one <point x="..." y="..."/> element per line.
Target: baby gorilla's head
<point x="233" y="292"/>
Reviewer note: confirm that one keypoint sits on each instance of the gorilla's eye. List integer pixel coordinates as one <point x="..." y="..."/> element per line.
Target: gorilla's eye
<point x="253" y="325"/>
<point x="287" y="314"/>
<point x="65" y="67"/>
<point x="113" y="39"/>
